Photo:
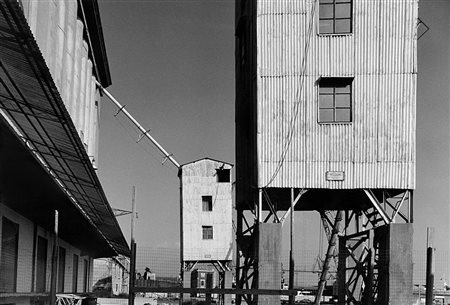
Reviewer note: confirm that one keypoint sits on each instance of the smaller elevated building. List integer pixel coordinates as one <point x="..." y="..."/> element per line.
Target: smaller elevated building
<point x="206" y="219"/>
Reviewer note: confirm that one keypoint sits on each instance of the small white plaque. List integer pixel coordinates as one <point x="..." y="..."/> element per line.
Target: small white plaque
<point x="334" y="176"/>
<point x="207" y="255"/>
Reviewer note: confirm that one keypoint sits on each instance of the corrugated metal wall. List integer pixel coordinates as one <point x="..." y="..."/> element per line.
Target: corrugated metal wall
<point x="60" y="35"/>
<point x="375" y="150"/>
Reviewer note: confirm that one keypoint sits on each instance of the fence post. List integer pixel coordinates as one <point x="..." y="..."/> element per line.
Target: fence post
<point x="430" y="267"/>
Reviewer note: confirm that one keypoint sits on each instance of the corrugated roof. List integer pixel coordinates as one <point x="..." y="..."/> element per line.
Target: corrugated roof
<point x="32" y="104"/>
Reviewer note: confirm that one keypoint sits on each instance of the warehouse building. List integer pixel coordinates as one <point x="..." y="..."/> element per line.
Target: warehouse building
<point x="54" y="216"/>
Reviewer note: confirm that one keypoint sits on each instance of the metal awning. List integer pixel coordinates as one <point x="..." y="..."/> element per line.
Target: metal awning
<point x="31" y="103"/>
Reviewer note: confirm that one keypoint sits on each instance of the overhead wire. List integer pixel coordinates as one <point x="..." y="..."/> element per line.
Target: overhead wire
<point x="298" y="94"/>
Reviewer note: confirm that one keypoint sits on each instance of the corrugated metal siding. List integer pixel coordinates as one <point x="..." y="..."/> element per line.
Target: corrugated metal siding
<point x="59" y="34"/>
<point x="376" y="150"/>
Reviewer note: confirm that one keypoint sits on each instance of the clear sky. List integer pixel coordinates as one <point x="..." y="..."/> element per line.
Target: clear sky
<point x="172" y="65"/>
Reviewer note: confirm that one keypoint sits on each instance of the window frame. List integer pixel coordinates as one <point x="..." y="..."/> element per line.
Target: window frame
<point x="9" y="286"/>
<point x="61" y="279"/>
<point x="208" y="200"/>
<point x="75" y="264"/>
<point x="335" y="82"/>
<point x="223" y="175"/>
<point x="334" y="18"/>
<point x="86" y="271"/>
<point x="207" y="236"/>
<point x="41" y="264"/>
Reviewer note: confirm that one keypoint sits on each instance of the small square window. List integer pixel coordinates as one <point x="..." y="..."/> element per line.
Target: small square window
<point x="335" y="100"/>
<point x="206" y="203"/>
<point x="223" y="175"/>
<point x="335" y="16"/>
<point x="207" y="232"/>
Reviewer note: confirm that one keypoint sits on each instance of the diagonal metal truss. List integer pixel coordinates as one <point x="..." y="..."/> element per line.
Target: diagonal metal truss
<point x="355" y="260"/>
<point x="360" y="267"/>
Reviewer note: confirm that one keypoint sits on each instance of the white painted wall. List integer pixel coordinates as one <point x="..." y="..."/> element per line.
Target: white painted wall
<point x="199" y="179"/>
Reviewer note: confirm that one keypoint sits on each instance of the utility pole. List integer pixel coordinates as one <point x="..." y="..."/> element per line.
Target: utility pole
<point x="430" y="267"/>
<point x="133" y="250"/>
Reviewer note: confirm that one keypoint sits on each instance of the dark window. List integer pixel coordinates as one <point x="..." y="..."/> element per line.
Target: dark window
<point x="207" y="232"/>
<point x="223" y="175"/>
<point x="61" y="269"/>
<point x="41" y="264"/>
<point x="75" y="273"/>
<point x="335" y="16"/>
<point x="335" y="100"/>
<point x="206" y="203"/>
<point x="86" y="276"/>
<point x="8" y="254"/>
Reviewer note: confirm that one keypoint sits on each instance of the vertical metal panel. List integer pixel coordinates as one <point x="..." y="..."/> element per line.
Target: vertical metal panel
<point x="82" y="97"/>
<point x="59" y="45"/>
<point x="91" y="127"/>
<point x="77" y="72"/>
<point x="95" y="125"/>
<point x="41" y="30"/>
<point x="377" y="148"/>
<point x="69" y="54"/>
<point x="88" y="102"/>
<point x="32" y="14"/>
<point x="50" y="54"/>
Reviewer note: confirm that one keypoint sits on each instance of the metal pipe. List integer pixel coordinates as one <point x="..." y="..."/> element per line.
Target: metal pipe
<point x="145" y="132"/>
<point x="133" y="212"/>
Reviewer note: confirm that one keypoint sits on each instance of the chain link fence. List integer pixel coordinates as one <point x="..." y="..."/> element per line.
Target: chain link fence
<point x="159" y="279"/>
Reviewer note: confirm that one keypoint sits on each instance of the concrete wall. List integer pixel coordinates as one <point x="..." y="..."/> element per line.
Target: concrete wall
<point x="200" y="179"/>
<point x="26" y="259"/>
<point x="61" y="37"/>
<point x="396" y="264"/>
<point x="269" y="260"/>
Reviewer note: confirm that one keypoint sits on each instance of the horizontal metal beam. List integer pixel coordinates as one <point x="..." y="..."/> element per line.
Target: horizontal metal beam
<point x="23" y="294"/>
<point x="215" y="290"/>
